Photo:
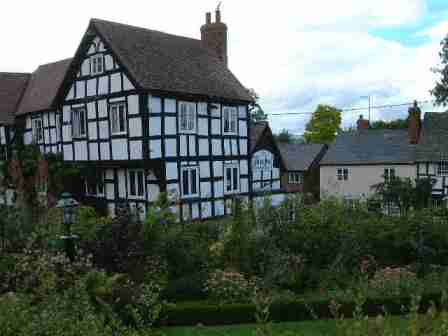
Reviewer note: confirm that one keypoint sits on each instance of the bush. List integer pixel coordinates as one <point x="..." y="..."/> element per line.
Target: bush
<point x="186" y="288"/>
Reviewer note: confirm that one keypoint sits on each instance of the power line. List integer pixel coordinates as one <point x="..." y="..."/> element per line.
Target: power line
<point x="355" y="108"/>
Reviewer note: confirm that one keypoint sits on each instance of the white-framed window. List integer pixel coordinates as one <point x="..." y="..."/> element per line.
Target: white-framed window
<point x="58" y="126"/>
<point x="95" y="185"/>
<point x="79" y="120"/>
<point x="342" y="174"/>
<point x="230" y="120"/>
<point x="118" y="118"/>
<point x="295" y="177"/>
<point x="389" y="174"/>
<point x="97" y="64"/>
<point x="231" y="178"/>
<point x="190" y="181"/>
<point x="263" y="161"/>
<point x="187" y="117"/>
<point x="136" y="183"/>
<point x="38" y="130"/>
<point x="442" y="169"/>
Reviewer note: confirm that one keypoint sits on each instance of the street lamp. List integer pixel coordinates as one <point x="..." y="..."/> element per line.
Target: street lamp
<point x="69" y="205"/>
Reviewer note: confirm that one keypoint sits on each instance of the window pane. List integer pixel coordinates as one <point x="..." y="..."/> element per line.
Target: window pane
<point x="228" y="179"/>
<point x="233" y="121"/>
<point x="235" y="178"/>
<point x="122" y="118"/>
<point x="183" y="117"/>
<point x="132" y="183"/>
<point x="185" y="183"/>
<point x="140" y="178"/>
<point x="193" y="182"/>
<point x="100" y="64"/>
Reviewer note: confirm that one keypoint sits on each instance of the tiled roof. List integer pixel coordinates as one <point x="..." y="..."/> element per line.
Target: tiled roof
<point x="299" y="157"/>
<point x="12" y="86"/>
<point x="371" y="147"/>
<point x="433" y="142"/>
<point x="165" y="62"/>
<point x="43" y="86"/>
<point x="256" y="131"/>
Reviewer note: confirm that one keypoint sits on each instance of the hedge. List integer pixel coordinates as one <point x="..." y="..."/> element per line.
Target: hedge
<point x="193" y="313"/>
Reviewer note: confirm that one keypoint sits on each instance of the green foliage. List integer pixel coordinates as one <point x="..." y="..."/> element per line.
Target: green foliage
<point x="256" y="111"/>
<point x="440" y="90"/>
<point x="284" y="137"/>
<point x="88" y="223"/>
<point x="393" y="124"/>
<point x="323" y="126"/>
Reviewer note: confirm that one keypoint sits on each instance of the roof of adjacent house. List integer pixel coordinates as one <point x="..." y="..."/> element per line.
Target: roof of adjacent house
<point x="12" y="86"/>
<point x="385" y="146"/>
<point x="299" y="157"/>
<point x="165" y="62"/>
<point x="43" y="87"/>
<point x="433" y="143"/>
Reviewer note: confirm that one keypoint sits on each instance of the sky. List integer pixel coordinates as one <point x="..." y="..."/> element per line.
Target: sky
<point x="294" y="54"/>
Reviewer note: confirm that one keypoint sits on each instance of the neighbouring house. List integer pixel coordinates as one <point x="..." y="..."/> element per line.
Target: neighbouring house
<point x="432" y="154"/>
<point x="360" y="159"/>
<point x="266" y="161"/>
<point x="302" y="171"/>
<point x="12" y="87"/>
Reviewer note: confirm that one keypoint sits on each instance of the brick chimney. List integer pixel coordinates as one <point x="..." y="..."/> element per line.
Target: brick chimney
<point x="214" y="35"/>
<point x="362" y="123"/>
<point x="414" y="123"/>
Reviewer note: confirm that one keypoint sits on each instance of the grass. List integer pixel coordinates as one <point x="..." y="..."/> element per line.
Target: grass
<point x="312" y="328"/>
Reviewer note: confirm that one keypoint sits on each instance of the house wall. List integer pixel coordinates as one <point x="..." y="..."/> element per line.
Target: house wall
<point x="360" y="180"/>
<point x="291" y="187"/>
<point x="430" y="170"/>
<point x="51" y="141"/>
<point x="265" y="171"/>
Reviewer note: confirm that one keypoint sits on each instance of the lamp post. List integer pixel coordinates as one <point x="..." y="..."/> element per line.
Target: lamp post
<point x="69" y="205"/>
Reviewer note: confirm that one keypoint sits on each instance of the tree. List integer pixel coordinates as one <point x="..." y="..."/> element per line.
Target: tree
<point x="393" y="124"/>
<point x="324" y="124"/>
<point x="256" y="112"/>
<point x="285" y="137"/>
<point x="440" y="91"/>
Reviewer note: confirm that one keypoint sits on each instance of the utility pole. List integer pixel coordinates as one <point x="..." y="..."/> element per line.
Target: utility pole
<point x="369" y="97"/>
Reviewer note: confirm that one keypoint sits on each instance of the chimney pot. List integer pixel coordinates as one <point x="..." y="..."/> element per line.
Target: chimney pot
<point x="362" y="123"/>
<point x="218" y="16"/>
<point x="414" y="123"/>
<point x="208" y="18"/>
<point x="214" y="36"/>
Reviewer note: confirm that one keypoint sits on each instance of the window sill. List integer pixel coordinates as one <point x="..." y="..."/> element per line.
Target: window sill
<point x="119" y="133"/>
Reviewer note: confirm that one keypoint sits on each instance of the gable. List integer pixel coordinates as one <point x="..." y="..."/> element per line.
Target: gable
<point x="92" y="79"/>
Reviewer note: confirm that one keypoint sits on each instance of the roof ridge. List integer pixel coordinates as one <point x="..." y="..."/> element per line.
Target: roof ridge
<point x="15" y="73"/>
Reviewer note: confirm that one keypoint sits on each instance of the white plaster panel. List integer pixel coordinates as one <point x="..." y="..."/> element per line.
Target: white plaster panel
<point x="44" y="117"/>
<point x="121" y="175"/>
<point x="91" y="112"/>
<point x="102" y="108"/>
<point x="92" y="131"/>
<point x="227" y="147"/>
<point x="243" y="167"/>
<point x="92" y="49"/>
<point x="135" y="127"/>
<point x="243" y="128"/>
<point x="91" y="87"/>
<point x="80" y="89"/>
<point x="154" y="126"/>
<point x="110" y="191"/>
<point x="183" y="145"/>
<point x="216" y="112"/>
<point x="133" y="104"/>
<point x="93" y="151"/>
<point x="203" y="126"/>
<point x="70" y="94"/>
<point x="155" y="105"/>
<point x="170" y="147"/>
<point x="244" y="185"/>
<point x="28" y="138"/>
<point x="170" y="125"/>
<point x="234" y="144"/>
<point x="155" y="149"/>
<point x="28" y="122"/>
<point x="275" y="173"/>
<point x="153" y="192"/>
<point x="104" y="129"/>
<point x="206" y="190"/>
<point x="127" y="85"/>
<point x="171" y="171"/>
<point x="101" y="46"/>
<point x="103" y="85"/>
<point x="204" y="167"/>
<point x="85" y="67"/>
<point x="192" y="140"/>
<point x="203" y="147"/>
<point x="80" y="150"/>
<point x="202" y="108"/>
<point x="206" y="209"/>
<point x="216" y="126"/>
<point x="219" y="208"/>
<point x="120" y="149"/>
<point x="66" y="115"/>
<point x="67" y="132"/>
<point x="68" y="152"/>
<point x="52" y="117"/>
<point x="217" y="169"/>
<point x="243" y="147"/>
<point x="276" y="185"/>
<point x="170" y="105"/>
<point x="195" y="211"/>
<point x="216" y="147"/>
<point x="136" y="150"/>
<point x="242" y="111"/>
<point x="46" y="136"/>
<point x="109" y="62"/>
<point x="105" y="151"/>
<point x="115" y="82"/>
<point x="53" y="135"/>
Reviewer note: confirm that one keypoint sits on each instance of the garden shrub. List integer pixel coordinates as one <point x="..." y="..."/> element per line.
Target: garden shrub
<point x="394" y="281"/>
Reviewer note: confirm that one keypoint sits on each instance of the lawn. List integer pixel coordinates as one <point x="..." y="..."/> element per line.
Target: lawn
<point x="319" y="327"/>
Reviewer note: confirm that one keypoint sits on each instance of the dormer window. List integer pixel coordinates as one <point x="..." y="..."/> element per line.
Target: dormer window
<point x="443" y="168"/>
<point x="97" y="64"/>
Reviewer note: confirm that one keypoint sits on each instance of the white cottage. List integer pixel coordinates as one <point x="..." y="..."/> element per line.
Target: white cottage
<point x="152" y="112"/>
